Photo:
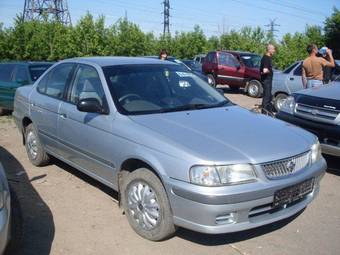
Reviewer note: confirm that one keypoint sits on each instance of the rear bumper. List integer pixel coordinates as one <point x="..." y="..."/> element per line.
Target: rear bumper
<point x="199" y="209"/>
<point x="329" y="135"/>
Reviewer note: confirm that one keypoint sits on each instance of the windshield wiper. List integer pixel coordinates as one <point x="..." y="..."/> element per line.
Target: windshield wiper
<point x="194" y="107"/>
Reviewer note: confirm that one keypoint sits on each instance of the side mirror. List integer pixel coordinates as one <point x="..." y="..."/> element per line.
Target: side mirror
<point x="90" y="105"/>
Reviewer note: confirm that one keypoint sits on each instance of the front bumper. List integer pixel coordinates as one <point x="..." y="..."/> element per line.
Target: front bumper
<point x="329" y="135"/>
<point x="216" y="210"/>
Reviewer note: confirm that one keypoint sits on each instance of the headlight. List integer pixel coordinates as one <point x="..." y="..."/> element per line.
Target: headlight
<point x="316" y="152"/>
<point x="288" y="105"/>
<point x="222" y="175"/>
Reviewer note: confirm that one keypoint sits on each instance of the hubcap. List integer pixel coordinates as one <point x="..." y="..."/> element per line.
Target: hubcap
<point x="32" y="145"/>
<point x="280" y="102"/>
<point x="143" y="205"/>
<point x="253" y="90"/>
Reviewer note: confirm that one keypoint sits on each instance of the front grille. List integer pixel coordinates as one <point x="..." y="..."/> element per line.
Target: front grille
<point x="284" y="167"/>
<point x="317" y="113"/>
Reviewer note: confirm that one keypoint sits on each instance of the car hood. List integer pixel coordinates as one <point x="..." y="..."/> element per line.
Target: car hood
<point x="331" y="91"/>
<point x="225" y="135"/>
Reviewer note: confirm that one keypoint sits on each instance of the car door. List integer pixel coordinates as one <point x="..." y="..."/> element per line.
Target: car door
<point x="229" y="70"/>
<point x="7" y="85"/>
<point x="45" y="100"/>
<point x="85" y="137"/>
<point x="293" y="80"/>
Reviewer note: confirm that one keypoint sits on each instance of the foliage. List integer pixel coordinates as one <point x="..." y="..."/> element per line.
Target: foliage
<point x="50" y="40"/>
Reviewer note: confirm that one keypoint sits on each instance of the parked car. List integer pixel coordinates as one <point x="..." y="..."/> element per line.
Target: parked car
<point x="177" y="61"/>
<point x="199" y="58"/>
<point x="14" y="75"/>
<point x="193" y="65"/>
<point x="178" y="152"/>
<point x="289" y="81"/>
<point x="236" y="69"/>
<point x="5" y="211"/>
<point x="318" y="111"/>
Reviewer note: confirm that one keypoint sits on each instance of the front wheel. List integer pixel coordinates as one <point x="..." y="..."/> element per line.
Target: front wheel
<point x="254" y="88"/>
<point x="146" y="205"/>
<point x="35" y="150"/>
<point x="279" y="100"/>
<point x="211" y="80"/>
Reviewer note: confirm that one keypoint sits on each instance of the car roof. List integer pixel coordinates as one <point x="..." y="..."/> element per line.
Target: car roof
<point x="30" y="63"/>
<point x="111" y="61"/>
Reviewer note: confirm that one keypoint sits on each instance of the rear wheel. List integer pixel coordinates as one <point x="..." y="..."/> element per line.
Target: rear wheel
<point x="211" y="80"/>
<point x="35" y="150"/>
<point x="254" y="88"/>
<point x="146" y="205"/>
<point x="279" y="100"/>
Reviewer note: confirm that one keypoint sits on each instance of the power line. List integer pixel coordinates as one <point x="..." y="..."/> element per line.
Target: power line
<point x="272" y="30"/>
<point x="45" y="9"/>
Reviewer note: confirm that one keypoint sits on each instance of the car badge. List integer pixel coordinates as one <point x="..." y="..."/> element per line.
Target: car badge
<point x="291" y="166"/>
<point x="314" y="112"/>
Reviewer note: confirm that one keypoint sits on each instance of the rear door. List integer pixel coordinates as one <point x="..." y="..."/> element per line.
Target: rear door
<point x="85" y="138"/>
<point x="45" y="101"/>
<point x="230" y="71"/>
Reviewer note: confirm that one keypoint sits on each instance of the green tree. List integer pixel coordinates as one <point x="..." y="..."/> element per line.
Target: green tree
<point x="332" y="32"/>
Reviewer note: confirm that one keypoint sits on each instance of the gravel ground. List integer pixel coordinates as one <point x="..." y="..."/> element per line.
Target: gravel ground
<point x="66" y="212"/>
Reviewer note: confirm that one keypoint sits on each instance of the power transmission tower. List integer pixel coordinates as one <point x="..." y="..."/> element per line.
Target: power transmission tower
<point x="166" y="12"/>
<point x="271" y="31"/>
<point x="47" y="9"/>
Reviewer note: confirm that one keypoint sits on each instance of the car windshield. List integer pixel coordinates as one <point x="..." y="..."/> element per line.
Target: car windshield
<point x="251" y="60"/>
<point x="146" y="89"/>
<point x="37" y="70"/>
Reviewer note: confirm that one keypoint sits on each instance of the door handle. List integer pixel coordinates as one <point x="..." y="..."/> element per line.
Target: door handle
<point x="291" y="78"/>
<point x="63" y="116"/>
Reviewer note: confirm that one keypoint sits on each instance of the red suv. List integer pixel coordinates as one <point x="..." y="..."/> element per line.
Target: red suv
<point x="236" y="69"/>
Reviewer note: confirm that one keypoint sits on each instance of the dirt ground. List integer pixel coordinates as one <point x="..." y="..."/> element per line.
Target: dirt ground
<point x="66" y="212"/>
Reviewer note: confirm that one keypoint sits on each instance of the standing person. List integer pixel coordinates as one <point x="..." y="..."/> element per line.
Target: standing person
<point x="312" y="67"/>
<point x="163" y="55"/>
<point x="266" y="69"/>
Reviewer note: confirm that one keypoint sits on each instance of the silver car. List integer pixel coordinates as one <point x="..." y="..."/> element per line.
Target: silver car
<point x="177" y="151"/>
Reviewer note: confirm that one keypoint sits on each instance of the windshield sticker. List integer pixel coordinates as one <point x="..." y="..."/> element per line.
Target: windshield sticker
<point x="184" y="84"/>
<point x="184" y="74"/>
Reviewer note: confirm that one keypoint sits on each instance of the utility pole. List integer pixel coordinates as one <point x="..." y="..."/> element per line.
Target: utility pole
<point x="166" y="13"/>
<point x="271" y="30"/>
<point x="47" y="9"/>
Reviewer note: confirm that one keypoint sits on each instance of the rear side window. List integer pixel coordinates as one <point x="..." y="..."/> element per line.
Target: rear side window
<point x="290" y="68"/>
<point x="6" y="72"/>
<point x="87" y="84"/>
<point x="298" y="71"/>
<point x="36" y="71"/>
<point x="21" y="74"/>
<point x="54" y="82"/>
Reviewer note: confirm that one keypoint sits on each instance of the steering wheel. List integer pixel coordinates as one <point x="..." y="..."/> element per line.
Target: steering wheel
<point x="129" y="96"/>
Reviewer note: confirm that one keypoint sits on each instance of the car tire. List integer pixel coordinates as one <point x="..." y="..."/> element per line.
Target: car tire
<point x="254" y="88"/>
<point x="35" y="150"/>
<point x="278" y="100"/>
<point x="211" y="80"/>
<point x="149" y="215"/>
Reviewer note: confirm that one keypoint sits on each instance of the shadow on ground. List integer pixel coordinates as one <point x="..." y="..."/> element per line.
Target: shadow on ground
<point x="38" y="229"/>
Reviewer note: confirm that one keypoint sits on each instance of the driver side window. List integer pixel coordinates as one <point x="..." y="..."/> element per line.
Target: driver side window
<point x="87" y="84"/>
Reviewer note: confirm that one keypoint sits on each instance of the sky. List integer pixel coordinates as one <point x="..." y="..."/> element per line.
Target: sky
<point x="213" y="16"/>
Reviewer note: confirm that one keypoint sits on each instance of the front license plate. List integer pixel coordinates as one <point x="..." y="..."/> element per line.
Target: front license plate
<point x="293" y="193"/>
